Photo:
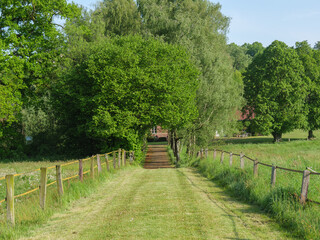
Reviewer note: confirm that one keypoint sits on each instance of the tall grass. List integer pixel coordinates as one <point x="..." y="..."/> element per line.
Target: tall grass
<point x="282" y="201"/>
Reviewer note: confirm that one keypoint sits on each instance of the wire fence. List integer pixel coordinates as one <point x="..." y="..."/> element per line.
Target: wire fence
<point x="305" y="173"/>
<point x="118" y="159"/>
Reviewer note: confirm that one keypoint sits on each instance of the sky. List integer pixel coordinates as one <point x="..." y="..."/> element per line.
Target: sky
<point x="264" y="21"/>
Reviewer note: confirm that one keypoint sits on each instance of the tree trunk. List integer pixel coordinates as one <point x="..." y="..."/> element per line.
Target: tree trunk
<point x="277" y="137"/>
<point x="310" y="135"/>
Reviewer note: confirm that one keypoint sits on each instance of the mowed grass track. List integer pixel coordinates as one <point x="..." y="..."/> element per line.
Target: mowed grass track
<point x="159" y="204"/>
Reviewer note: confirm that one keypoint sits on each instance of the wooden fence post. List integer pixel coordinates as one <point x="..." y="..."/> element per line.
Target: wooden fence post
<point x="206" y="153"/>
<point x="273" y="176"/>
<point x="130" y="157"/>
<point x="304" y="186"/>
<point x="10" y="199"/>
<point x="222" y="156"/>
<point x="59" y="180"/>
<point x="119" y="158"/>
<point x="99" y="164"/>
<point x="133" y="157"/>
<point x="114" y="159"/>
<point x="107" y="162"/>
<point x="92" y="167"/>
<point x="230" y="160"/>
<point x="214" y="154"/>
<point x="241" y="161"/>
<point x="43" y="187"/>
<point x="81" y="170"/>
<point x="255" y="168"/>
<point x="123" y="157"/>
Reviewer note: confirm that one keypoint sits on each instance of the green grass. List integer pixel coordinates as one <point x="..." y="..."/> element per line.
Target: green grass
<point x="28" y="214"/>
<point x="31" y="179"/>
<point x="159" y="204"/>
<point x="283" y="200"/>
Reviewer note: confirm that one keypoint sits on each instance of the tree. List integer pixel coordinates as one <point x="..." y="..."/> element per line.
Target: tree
<point x="253" y="49"/>
<point x="30" y="50"/>
<point x="121" y="88"/>
<point x="276" y="89"/>
<point x="121" y="17"/>
<point x="317" y="46"/>
<point x="201" y="28"/>
<point x="311" y="61"/>
<point x="241" y="59"/>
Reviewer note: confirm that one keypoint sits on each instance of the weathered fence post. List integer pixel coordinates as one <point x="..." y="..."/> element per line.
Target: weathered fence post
<point x="81" y="170"/>
<point x="92" y="167"/>
<point x="230" y="160"/>
<point x="304" y="186"/>
<point x="130" y="157"/>
<point x="273" y="176"/>
<point x="10" y="199"/>
<point x="214" y="154"/>
<point x="114" y="159"/>
<point x="99" y="164"/>
<point x="59" y="180"/>
<point x="43" y="187"/>
<point x="133" y="157"/>
<point x="123" y="157"/>
<point x="119" y="157"/>
<point x="206" y="153"/>
<point x="241" y="161"/>
<point x="222" y="156"/>
<point x="107" y="162"/>
<point x="202" y="153"/>
<point x="255" y="168"/>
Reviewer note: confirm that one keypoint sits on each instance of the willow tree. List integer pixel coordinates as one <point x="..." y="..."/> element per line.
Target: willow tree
<point x="200" y="27"/>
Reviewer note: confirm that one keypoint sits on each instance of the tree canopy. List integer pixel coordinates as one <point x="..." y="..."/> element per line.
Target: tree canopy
<point x="275" y="90"/>
<point x="121" y="88"/>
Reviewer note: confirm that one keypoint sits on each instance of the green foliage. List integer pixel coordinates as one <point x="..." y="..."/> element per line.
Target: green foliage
<point x="200" y="27"/>
<point x="30" y="51"/>
<point x="121" y="17"/>
<point x="276" y="89"/>
<point x="121" y="88"/>
<point x="253" y="49"/>
<point x="311" y="61"/>
<point x="241" y="59"/>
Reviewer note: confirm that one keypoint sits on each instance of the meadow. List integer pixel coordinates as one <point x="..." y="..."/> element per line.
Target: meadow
<point x="282" y="201"/>
<point x="28" y="214"/>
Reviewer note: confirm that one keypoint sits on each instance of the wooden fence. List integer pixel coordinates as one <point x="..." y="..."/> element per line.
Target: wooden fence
<point x="119" y="158"/>
<point x="305" y="173"/>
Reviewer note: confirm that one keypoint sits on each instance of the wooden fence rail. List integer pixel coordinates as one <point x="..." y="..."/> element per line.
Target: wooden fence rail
<point x="305" y="174"/>
<point x="121" y="154"/>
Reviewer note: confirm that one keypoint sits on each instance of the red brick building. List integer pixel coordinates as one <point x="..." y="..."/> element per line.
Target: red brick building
<point x="157" y="131"/>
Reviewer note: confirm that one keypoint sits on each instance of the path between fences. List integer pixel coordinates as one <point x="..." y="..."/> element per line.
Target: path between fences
<point x="164" y="203"/>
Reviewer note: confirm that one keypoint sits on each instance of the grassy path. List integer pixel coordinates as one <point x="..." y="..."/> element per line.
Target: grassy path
<point x="159" y="204"/>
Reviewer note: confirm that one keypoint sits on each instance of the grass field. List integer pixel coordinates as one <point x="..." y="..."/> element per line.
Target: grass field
<point x="159" y="204"/>
<point x="283" y="200"/>
<point x="28" y="213"/>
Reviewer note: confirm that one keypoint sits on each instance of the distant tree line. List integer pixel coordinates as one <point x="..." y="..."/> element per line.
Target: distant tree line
<point x="281" y="86"/>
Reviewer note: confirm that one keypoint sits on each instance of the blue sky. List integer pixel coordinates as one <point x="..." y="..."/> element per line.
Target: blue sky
<point x="267" y="20"/>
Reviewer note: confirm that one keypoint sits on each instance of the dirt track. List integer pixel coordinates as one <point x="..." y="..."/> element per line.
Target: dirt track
<point x="157" y="157"/>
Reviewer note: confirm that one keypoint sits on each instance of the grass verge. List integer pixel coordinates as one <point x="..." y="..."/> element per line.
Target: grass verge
<point x="28" y="213"/>
<point x="280" y="202"/>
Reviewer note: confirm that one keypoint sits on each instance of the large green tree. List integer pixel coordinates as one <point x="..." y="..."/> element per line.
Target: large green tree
<point x="201" y="28"/>
<point x="120" y="88"/>
<point x="311" y="61"/>
<point x="31" y="45"/>
<point x="275" y="90"/>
